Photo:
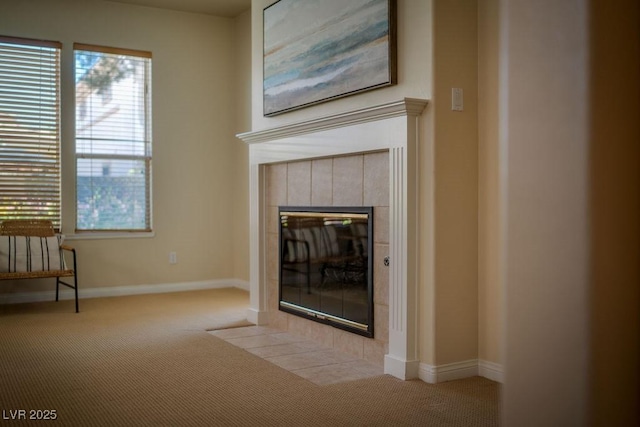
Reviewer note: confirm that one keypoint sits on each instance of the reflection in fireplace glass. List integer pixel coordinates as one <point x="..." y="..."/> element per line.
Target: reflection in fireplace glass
<point x="326" y="268"/>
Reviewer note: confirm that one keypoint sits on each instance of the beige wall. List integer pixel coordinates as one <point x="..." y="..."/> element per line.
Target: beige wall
<point x="194" y="149"/>
<point x="569" y="134"/>
<point x="545" y="186"/>
<point x="455" y="56"/>
<point x="242" y="94"/>
<point x="490" y="295"/>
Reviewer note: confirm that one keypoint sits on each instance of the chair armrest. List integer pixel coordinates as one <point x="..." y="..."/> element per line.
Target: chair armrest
<point x="73" y="253"/>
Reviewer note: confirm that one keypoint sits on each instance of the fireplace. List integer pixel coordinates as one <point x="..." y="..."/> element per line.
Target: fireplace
<point x="394" y="128"/>
<point x="326" y="265"/>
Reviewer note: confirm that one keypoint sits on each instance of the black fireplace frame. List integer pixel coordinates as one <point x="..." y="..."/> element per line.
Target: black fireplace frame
<point x="361" y="328"/>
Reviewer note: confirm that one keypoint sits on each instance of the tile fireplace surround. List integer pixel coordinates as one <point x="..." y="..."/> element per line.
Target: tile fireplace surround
<point x="390" y="132"/>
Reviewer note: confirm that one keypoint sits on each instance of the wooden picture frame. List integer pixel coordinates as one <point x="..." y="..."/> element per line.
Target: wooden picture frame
<point x="316" y="51"/>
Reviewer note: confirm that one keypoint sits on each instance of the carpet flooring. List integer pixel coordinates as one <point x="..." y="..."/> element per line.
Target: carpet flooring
<point x="148" y="360"/>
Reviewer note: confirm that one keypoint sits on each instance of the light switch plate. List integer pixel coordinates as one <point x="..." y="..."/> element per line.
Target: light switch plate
<point x="457" y="103"/>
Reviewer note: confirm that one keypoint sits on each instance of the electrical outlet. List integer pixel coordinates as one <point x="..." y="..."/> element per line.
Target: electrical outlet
<point x="173" y="258"/>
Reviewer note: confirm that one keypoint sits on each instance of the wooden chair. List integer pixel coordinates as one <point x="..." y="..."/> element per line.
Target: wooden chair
<point x="40" y="228"/>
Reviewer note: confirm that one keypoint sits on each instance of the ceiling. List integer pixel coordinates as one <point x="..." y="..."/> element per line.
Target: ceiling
<point x="225" y="8"/>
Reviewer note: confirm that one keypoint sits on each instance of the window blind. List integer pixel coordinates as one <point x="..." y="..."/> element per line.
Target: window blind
<point x="113" y="139"/>
<point x="30" y="129"/>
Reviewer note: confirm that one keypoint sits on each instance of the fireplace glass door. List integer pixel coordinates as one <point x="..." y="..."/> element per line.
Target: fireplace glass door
<point x="326" y="268"/>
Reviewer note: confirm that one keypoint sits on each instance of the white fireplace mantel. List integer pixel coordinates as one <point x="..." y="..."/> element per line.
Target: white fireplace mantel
<point x="393" y="127"/>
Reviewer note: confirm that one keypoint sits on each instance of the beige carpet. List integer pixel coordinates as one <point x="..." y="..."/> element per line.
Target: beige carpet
<point x="148" y="360"/>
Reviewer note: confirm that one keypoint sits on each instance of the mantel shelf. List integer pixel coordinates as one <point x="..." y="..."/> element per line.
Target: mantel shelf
<point x="404" y="107"/>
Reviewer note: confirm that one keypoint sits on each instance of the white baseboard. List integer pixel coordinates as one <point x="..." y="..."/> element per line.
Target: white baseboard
<point x="257" y="317"/>
<point x="491" y="370"/>
<point x="399" y="368"/>
<point x="114" y="291"/>
<point x="448" y="372"/>
<point x="458" y="370"/>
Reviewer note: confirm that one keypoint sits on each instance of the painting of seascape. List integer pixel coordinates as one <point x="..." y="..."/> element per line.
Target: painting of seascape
<point x="317" y="50"/>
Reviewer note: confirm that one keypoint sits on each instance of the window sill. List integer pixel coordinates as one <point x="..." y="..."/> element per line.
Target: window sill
<point x="114" y="235"/>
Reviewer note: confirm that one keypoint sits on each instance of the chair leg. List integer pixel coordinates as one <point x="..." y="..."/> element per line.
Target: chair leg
<point x="57" y="287"/>
<point x="75" y="278"/>
<point x="75" y="288"/>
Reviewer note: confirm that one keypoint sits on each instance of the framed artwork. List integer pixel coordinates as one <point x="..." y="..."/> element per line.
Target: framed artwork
<point x="316" y="51"/>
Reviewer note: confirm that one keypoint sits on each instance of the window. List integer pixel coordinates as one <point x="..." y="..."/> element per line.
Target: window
<point x="113" y="139"/>
<point x="30" y="129"/>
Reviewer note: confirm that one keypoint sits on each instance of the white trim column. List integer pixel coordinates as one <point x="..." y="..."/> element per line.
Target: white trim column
<point x="402" y="360"/>
<point x="257" y="312"/>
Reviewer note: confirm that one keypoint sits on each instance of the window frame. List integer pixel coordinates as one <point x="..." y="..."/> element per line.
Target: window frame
<point x="147" y="157"/>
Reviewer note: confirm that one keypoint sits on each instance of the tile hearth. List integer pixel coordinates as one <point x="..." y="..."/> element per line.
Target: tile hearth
<point x="320" y="365"/>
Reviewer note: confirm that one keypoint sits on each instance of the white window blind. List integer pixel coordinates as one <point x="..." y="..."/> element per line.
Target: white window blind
<point x="29" y="129"/>
<point x="113" y="139"/>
